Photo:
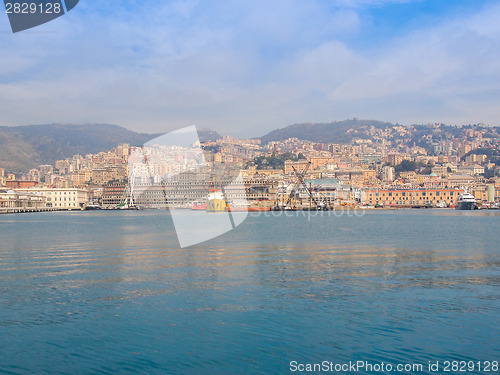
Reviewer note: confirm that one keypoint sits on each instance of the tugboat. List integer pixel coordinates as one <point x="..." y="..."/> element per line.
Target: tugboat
<point x="92" y="206"/>
<point x="216" y="201"/>
<point x="466" y="201"/>
<point x="199" y="206"/>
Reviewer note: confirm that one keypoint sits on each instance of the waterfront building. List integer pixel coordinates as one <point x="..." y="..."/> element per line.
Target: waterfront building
<point x="16" y="199"/>
<point x="113" y="193"/>
<point x="60" y="198"/>
<point x="410" y="197"/>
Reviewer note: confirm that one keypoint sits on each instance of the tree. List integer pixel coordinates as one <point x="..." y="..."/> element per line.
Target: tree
<point x="426" y="170"/>
<point x="406" y="166"/>
<point x="489" y="173"/>
<point x="274" y="161"/>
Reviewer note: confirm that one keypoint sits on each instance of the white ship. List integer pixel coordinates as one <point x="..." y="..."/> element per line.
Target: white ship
<point x="466" y="201"/>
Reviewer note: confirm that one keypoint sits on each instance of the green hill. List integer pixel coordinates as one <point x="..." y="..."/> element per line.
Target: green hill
<point x="332" y="132"/>
<point x="26" y="147"/>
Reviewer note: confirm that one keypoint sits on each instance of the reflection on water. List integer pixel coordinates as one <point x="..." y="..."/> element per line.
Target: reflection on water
<point x="108" y="292"/>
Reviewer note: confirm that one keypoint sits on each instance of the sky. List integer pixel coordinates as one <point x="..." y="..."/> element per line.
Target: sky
<point x="248" y="67"/>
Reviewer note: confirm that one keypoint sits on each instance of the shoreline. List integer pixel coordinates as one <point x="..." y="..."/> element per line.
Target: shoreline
<point x="21" y="210"/>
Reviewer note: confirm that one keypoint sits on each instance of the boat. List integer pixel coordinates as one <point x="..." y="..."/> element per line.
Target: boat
<point x="127" y="200"/>
<point x="466" y="201"/>
<point x="93" y="206"/>
<point x="441" y="204"/>
<point x="258" y="209"/>
<point x="199" y="206"/>
<point x="216" y="201"/>
<point x="237" y="207"/>
<point x="127" y="207"/>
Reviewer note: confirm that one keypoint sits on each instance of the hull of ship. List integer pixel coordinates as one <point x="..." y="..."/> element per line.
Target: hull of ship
<point x="258" y="209"/>
<point x="237" y="209"/>
<point x="466" y="206"/>
<point x="128" y="208"/>
<point x="216" y="205"/>
<point x="199" y="207"/>
<point x="92" y="208"/>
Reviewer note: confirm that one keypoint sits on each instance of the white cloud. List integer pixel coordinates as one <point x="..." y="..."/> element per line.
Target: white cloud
<point x="246" y="69"/>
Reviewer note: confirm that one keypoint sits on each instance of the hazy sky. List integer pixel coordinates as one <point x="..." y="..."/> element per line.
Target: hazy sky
<point x="248" y="67"/>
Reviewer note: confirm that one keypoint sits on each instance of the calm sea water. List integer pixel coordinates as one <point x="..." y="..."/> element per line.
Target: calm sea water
<point x="112" y="292"/>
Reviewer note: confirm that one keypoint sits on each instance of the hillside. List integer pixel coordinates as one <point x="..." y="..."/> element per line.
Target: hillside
<point x="26" y="147"/>
<point x="333" y="132"/>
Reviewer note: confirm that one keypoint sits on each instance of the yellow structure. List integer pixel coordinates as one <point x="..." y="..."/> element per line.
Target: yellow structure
<point x="216" y="202"/>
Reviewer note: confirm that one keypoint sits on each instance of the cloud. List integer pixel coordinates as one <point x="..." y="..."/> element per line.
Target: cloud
<point x="447" y="62"/>
<point x="246" y="69"/>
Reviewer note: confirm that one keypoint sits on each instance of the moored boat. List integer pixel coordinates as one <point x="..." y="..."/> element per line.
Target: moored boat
<point x="93" y="206"/>
<point x="199" y="206"/>
<point x="216" y="201"/>
<point x="466" y="201"/>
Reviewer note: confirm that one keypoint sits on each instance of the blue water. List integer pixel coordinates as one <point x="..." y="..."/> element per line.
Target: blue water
<point x="112" y="292"/>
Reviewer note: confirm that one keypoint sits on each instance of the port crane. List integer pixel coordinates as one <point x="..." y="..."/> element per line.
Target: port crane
<point x="293" y="193"/>
<point x="300" y="181"/>
<point x="300" y="177"/>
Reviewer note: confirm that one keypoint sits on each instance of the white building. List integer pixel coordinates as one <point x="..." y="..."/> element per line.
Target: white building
<point x="471" y="170"/>
<point x="16" y="199"/>
<point x="61" y="198"/>
<point x="388" y="173"/>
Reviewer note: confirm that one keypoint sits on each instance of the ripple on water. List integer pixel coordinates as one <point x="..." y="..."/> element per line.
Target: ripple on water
<point x="120" y="296"/>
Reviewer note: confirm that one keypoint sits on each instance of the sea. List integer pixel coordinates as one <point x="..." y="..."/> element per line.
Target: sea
<point x="366" y="292"/>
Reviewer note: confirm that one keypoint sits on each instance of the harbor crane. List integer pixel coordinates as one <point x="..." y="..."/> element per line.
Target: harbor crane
<point x="312" y="198"/>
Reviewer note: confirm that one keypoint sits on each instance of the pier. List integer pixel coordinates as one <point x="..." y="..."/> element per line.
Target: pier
<point x="17" y="210"/>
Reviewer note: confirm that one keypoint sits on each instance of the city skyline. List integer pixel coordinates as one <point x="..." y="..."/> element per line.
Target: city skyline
<point x="246" y="70"/>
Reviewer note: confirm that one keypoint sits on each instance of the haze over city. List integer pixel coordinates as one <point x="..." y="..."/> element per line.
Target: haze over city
<point x="246" y="68"/>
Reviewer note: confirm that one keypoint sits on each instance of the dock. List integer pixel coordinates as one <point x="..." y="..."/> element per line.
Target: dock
<point x="17" y="210"/>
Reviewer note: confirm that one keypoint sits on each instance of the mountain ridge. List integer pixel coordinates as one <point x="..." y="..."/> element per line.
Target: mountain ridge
<point x="26" y="147"/>
<point x="329" y="132"/>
